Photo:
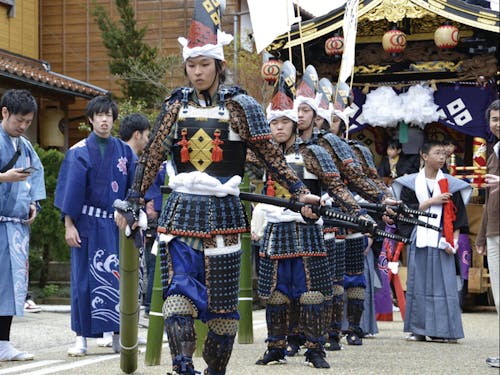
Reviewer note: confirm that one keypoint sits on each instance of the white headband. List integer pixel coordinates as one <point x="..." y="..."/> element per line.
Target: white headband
<point x="311" y="102"/>
<point x="215" y="51"/>
<point x="273" y="115"/>
<point x="325" y="114"/>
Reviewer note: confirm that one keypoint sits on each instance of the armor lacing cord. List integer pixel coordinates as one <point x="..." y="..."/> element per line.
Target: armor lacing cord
<point x="222" y="96"/>
<point x="185" y="98"/>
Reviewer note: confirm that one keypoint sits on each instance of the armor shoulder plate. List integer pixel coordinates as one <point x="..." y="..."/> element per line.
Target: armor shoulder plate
<point x="257" y="123"/>
<point x="325" y="160"/>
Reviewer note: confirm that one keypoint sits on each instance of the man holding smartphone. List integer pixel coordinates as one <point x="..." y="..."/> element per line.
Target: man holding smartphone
<point x="21" y="187"/>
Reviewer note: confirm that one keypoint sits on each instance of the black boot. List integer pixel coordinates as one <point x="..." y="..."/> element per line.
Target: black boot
<point x="216" y="352"/>
<point x="354" y="311"/>
<point x="182" y="342"/>
<point x="277" y="326"/>
<point x="316" y="358"/>
<point x="272" y="356"/>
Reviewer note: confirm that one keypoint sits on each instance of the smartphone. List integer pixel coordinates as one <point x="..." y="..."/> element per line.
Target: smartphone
<point x="29" y="170"/>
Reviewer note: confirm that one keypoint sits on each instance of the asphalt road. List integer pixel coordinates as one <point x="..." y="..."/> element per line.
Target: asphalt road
<point x="48" y="335"/>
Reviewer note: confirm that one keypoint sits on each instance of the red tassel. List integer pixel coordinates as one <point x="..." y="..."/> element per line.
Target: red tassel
<point x="216" y="150"/>
<point x="184" y="149"/>
<point x="449" y="212"/>
<point x="270" y="191"/>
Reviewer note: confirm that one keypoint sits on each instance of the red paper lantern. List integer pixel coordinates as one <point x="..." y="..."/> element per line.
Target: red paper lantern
<point x="446" y="36"/>
<point x="334" y="46"/>
<point x="271" y="70"/>
<point x="394" y="41"/>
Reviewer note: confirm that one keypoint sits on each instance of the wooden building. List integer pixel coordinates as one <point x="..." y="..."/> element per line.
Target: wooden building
<point x="71" y="40"/>
<point x="62" y="36"/>
<point x="21" y="67"/>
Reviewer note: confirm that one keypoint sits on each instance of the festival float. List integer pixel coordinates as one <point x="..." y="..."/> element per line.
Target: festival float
<point x="422" y="68"/>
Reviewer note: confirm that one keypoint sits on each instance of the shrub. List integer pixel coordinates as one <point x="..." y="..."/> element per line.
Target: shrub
<point x="47" y="241"/>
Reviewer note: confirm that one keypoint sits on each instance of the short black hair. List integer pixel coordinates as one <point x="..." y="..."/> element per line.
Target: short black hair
<point x="18" y="102"/>
<point x="494" y="106"/>
<point x="395" y="144"/>
<point x="131" y="123"/>
<point x="428" y="144"/>
<point x="101" y="104"/>
<point x="449" y="141"/>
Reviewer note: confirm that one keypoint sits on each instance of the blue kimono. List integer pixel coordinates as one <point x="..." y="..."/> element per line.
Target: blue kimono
<point x="87" y="186"/>
<point x="15" y="199"/>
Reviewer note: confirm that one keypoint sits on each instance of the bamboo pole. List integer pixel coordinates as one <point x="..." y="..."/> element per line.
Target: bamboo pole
<point x="156" y="321"/>
<point x="245" y="328"/>
<point x="129" y="304"/>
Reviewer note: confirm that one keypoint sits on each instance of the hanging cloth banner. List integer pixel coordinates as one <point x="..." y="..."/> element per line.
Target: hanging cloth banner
<point x="461" y="108"/>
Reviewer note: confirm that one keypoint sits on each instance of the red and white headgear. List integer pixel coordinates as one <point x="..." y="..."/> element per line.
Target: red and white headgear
<point x="284" y="93"/>
<point x="205" y="37"/>
<point x="307" y="88"/>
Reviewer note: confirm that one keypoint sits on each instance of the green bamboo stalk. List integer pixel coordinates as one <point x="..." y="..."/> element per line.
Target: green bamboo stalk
<point x="245" y="328"/>
<point x="156" y="321"/>
<point x="129" y="304"/>
<point x="201" y="330"/>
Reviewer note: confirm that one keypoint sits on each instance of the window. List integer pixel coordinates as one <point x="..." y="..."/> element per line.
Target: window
<point x="11" y="7"/>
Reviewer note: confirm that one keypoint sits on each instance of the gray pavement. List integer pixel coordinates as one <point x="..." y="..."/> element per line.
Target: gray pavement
<point x="48" y="335"/>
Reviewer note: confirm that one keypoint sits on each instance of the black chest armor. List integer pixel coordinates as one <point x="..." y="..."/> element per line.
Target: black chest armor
<point x="205" y="142"/>
<point x="296" y="162"/>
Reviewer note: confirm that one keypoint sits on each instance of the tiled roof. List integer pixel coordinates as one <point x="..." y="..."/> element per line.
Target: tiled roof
<point x="38" y="73"/>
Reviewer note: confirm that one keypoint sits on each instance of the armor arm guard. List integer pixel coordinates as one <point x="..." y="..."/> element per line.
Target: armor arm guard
<point x="360" y="183"/>
<point x="351" y="170"/>
<point x="372" y="174"/>
<point x="266" y="151"/>
<point x="157" y="148"/>
<point x="331" y="178"/>
<point x="254" y="160"/>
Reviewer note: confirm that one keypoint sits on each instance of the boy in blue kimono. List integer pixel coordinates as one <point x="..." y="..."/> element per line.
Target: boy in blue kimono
<point x="96" y="171"/>
<point x="21" y="187"/>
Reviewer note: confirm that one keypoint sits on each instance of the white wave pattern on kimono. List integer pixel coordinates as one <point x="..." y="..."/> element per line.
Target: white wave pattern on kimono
<point x="105" y="294"/>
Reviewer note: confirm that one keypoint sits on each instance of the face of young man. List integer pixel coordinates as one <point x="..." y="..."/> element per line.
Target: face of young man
<point x="102" y="123"/>
<point x="335" y="125"/>
<point x="435" y="158"/>
<point x="141" y="139"/>
<point x="281" y="129"/>
<point x="392" y="152"/>
<point x="450" y="149"/>
<point x="16" y="125"/>
<point x="202" y="73"/>
<point x="305" y="116"/>
<point x="495" y="122"/>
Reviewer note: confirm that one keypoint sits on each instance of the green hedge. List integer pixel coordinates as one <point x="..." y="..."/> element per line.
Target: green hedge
<point x="47" y="241"/>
